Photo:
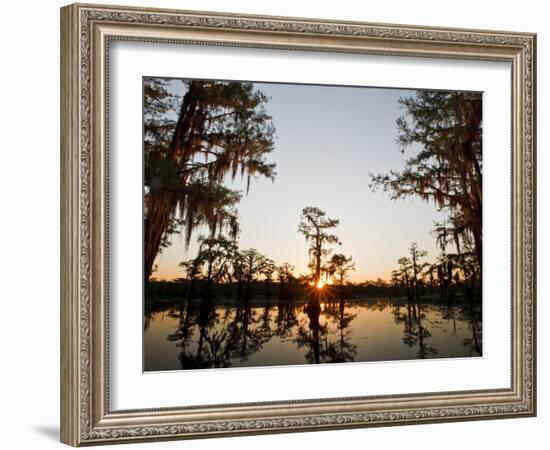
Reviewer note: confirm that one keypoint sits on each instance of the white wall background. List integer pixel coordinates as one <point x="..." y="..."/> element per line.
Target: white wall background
<point x="29" y="222"/>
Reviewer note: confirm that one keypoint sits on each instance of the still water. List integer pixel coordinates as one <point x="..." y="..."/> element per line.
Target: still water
<point x="199" y="335"/>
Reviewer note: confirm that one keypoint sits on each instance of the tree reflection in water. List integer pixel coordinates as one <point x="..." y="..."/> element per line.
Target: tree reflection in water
<point x="416" y="323"/>
<point x="223" y="334"/>
<point x="319" y="339"/>
<point x="323" y="329"/>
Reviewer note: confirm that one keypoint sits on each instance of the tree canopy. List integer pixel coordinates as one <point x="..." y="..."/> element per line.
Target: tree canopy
<point x="316" y="227"/>
<point x="444" y="131"/>
<point x="192" y="143"/>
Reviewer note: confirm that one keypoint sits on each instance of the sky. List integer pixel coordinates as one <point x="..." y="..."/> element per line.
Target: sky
<point x="328" y="140"/>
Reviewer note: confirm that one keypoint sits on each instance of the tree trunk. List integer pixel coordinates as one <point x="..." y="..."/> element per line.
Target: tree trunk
<point x="479" y="252"/>
<point x="415" y="272"/>
<point x="318" y="260"/>
<point x="161" y="203"/>
<point x="159" y="208"/>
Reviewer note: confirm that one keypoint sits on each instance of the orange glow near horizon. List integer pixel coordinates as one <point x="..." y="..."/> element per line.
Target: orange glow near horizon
<point x="174" y="275"/>
<point x="320" y="284"/>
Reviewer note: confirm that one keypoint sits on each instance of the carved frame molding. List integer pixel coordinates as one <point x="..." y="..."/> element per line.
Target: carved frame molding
<point x="86" y="31"/>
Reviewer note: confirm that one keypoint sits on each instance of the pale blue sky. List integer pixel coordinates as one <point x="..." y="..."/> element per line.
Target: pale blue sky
<point x="328" y="140"/>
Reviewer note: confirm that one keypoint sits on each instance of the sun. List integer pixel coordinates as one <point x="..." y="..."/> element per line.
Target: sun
<point x="320" y="284"/>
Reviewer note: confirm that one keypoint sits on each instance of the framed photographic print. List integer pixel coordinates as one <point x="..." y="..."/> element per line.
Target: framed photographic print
<point x="277" y="224"/>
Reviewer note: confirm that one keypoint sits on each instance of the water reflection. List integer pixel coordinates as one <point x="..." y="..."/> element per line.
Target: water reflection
<point x="201" y="334"/>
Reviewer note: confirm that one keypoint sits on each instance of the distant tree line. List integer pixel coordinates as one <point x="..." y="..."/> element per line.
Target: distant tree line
<point x="219" y="261"/>
<point x="448" y="276"/>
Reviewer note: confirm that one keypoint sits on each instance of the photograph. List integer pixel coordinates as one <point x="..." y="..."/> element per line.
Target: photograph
<point x="288" y="224"/>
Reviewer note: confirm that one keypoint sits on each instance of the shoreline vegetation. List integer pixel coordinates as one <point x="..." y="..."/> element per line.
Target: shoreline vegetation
<point x="177" y="292"/>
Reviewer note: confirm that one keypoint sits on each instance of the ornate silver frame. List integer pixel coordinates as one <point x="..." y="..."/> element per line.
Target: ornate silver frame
<point x="86" y="31"/>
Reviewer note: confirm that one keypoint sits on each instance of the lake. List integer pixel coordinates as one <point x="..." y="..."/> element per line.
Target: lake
<point x="199" y="335"/>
